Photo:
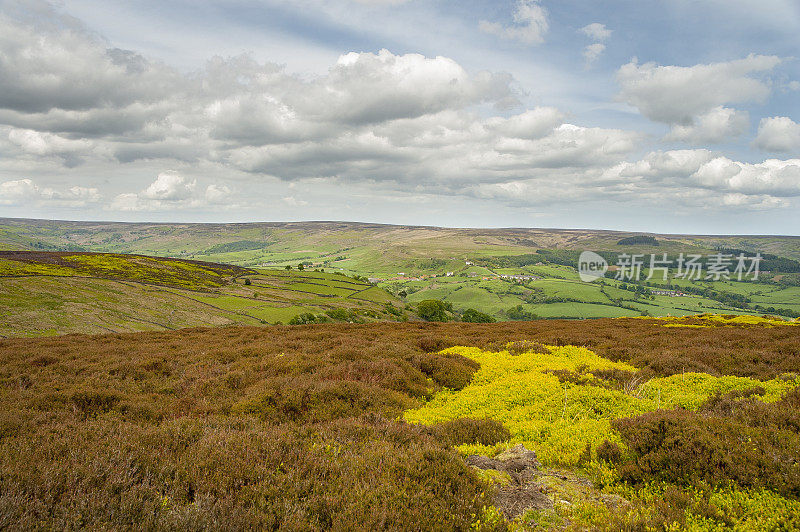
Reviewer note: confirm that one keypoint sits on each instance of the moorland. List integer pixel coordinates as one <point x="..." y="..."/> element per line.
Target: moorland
<point x="637" y="424"/>
<point x="302" y="377"/>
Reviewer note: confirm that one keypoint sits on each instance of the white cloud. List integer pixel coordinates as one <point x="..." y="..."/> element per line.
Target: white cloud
<point x="596" y="31"/>
<point x="778" y="134"/>
<point x="702" y="169"/>
<point x="755" y="202"/>
<point x="530" y="24"/>
<point x="169" y="186"/>
<point x="532" y="124"/>
<point x="43" y="143"/>
<point x="170" y="191"/>
<point x="381" y="2"/>
<point x="677" y="95"/>
<point x="715" y="126"/>
<point x="25" y="191"/>
<point x="294" y="202"/>
<point x="18" y="191"/>
<point x="592" y="52"/>
<point x="73" y="197"/>
<point x="399" y="124"/>
<point x="218" y="194"/>
<point x="46" y="66"/>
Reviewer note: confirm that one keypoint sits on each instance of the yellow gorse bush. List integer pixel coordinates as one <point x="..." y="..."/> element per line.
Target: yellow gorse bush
<point x="557" y="419"/>
<point x="723" y="320"/>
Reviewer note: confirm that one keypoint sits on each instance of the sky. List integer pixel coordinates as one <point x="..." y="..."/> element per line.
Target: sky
<point x="672" y="116"/>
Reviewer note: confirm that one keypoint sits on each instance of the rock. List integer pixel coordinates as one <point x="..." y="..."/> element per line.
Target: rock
<point x="523" y="493"/>
<point x="484" y="462"/>
<point x="613" y="501"/>
<point x="518" y="458"/>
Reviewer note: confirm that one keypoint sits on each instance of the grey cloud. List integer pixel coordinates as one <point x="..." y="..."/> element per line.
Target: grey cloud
<point x="65" y="68"/>
<point x="678" y="95"/>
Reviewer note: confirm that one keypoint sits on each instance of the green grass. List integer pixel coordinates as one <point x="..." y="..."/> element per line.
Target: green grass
<point x="578" y="310"/>
<point x="151" y="270"/>
<point x="115" y="293"/>
<point x="383" y="251"/>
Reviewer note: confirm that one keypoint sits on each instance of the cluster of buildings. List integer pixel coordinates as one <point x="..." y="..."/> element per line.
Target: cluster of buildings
<point x="670" y="293"/>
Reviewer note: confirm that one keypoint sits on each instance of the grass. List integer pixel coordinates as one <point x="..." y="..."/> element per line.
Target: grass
<point x="43" y="294"/>
<point x="383" y="251"/>
<point x="191" y="275"/>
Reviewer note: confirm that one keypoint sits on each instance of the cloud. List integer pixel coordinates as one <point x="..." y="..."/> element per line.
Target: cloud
<point x="18" y="191"/>
<point x="596" y="31"/>
<point x="530" y="24"/>
<point x="718" y="125"/>
<point x="170" y="191"/>
<point x="45" y="67"/>
<point x="44" y="144"/>
<point x="677" y="95"/>
<point x="592" y="52"/>
<point x="218" y="194"/>
<point x="294" y="202"/>
<point x="73" y="197"/>
<point x="400" y="125"/>
<point x="26" y="191"/>
<point x="702" y="169"/>
<point x="778" y="134"/>
<point x="531" y="124"/>
<point x="381" y="2"/>
<point x="169" y="186"/>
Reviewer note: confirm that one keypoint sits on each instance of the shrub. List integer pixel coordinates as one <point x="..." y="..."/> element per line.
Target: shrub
<point x="469" y="430"/>
<point x="519" y="313"/>
<point x="473" y="316"/>
<point x="449" y="371"/>
<point x="391" y="309"/>
<point x="307" y="318"/>
<point x="322" y="401"/>
<point x="433" y="345"/>
<point x="609" y="451"/>
<point x="685" y="448"/>
<point x="338" y="314"/>
<point x="526" y="346"/>
<point x="93" y="402"/>
<point x="434" y="310"/>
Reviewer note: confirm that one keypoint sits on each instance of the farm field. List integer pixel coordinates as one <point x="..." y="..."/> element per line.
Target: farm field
<point x="539" y="425"/>
<point x="45" y="293"/>
<point x="463" y="267"/>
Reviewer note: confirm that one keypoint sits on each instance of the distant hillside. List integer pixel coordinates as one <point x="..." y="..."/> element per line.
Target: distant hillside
<point x="361" y="247"/>
<point x="47" y="293"/>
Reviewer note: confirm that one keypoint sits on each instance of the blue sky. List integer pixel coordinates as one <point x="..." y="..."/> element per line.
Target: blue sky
<point x="670" y="116"/>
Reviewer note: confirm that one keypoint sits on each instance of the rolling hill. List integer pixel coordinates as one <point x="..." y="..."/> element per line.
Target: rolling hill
<point x="46" y="293"/>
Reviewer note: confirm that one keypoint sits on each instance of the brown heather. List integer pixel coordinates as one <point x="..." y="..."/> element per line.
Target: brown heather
<point x="296" y="428"/>
<point x="732" y="438"/>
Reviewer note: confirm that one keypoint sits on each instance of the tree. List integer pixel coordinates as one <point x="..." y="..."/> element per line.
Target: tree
<point x="518" y="313"/>
<point x="301" y="267"/>
<point x="288" y="267"/>
<point x="473" y="316"/>
<point x="434" y="310"/>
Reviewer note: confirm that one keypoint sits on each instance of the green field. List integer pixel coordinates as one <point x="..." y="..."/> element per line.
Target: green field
<point x="414" y="261"/>
<point x="44" y="294"/>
